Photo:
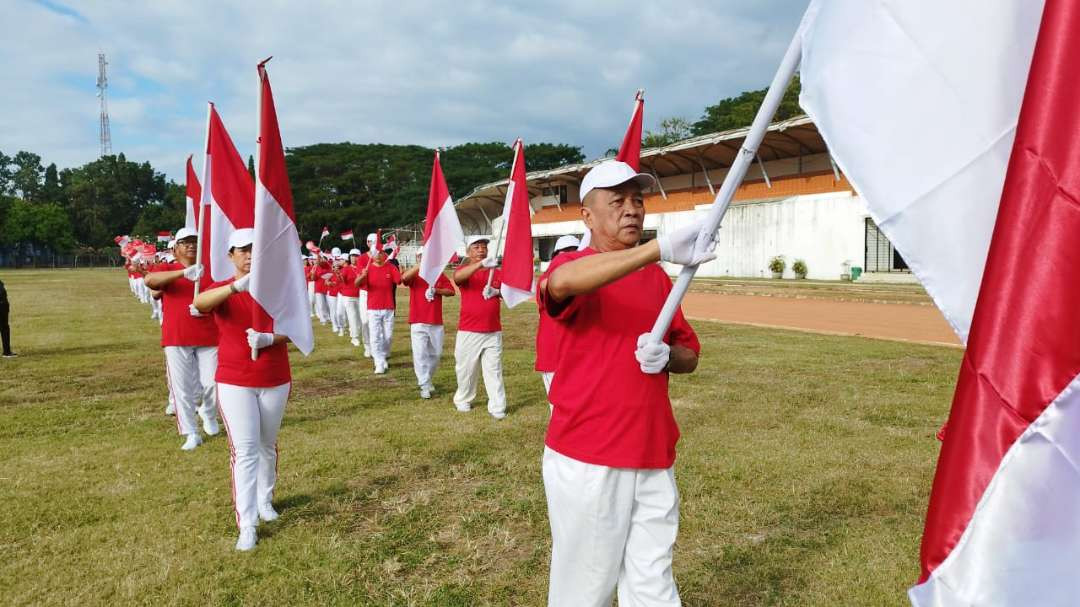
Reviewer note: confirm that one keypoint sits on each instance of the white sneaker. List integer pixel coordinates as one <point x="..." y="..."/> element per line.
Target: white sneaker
<point x="209" y="424"/>
<point x="247" y="539"/>
<point x="267" y="513"/>
<point x="367" y="352"/>
<point x="463" y="408"/>
<point x="193" y="440"/>
<point x="380" y="369"/>
<point x="425" y="392"/>
<point x="500" y="415"/>
<point x="356" y="343"/>
<point x="170" y="409"/>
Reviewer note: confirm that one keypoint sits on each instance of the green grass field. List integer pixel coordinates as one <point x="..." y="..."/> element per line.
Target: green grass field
<point x="804" y="469"/>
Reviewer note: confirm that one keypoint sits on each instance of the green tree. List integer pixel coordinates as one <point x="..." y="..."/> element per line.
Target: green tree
<point x="6" y="174"/>
<point x="107" y="196"/>
<point x="27" y="175"/>
<point x="50" y="191"/>
<point x="671" y="130"/>
<point x="739" y="112"/>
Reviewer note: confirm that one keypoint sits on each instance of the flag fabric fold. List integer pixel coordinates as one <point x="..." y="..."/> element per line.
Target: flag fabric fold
<point x="518" y="281"/>
<point x="278" y="284"/>
<point x="442" y="230"/>
<point x="630" y="148"/>
<point x="228" y="195"/>
<point x="193" y="195"/>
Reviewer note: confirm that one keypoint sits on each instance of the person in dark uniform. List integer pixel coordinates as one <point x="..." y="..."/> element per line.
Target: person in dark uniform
<point x="5" y="330"/>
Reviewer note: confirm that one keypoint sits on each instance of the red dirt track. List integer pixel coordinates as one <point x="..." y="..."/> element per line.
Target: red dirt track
<point x="899" y="322"/>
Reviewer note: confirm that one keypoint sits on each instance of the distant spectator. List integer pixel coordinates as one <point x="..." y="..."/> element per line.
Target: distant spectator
<point x="5" y="330"/>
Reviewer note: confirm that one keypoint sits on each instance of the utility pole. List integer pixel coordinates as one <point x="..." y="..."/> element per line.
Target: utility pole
<point x="102" y="85"/>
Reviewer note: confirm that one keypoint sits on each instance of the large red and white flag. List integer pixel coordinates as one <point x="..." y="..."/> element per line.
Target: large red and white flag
<point x="227" y="193"/>
<point x="442" y="230"/>
<point x="193" y="196"/>
<point x="518" y="281"/>
<point x="278" y="284"/>
<point x="956" y="123"/>
<point x="630" y="148"/>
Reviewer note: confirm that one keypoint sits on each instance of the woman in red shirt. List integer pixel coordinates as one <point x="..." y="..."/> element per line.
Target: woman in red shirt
<point x="380" y="278"/>
<point x="251" y="393"/>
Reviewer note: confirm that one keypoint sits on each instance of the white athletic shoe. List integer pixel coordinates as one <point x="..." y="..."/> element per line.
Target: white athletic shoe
<point x="247" y="539"/>
<point x="463" y="408"/>
<point x="267" y="513"/>
<point x="380" y="369"/>
<point x="501" y="415"/>
<point x="356" y="343"/>
<point x="209" y="424"/>
<point x="170" y="409"/>
<point x="425" y="392"/>
<point x="193" y="440"/>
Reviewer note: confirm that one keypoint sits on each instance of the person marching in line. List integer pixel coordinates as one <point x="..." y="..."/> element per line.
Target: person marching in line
<point x="5" y="328"/>
<point x="478" y="344"/>
<point x="190" y="341"/>
<point x="365" y="320"/>
<point x="425" y="323"/>
<point x="251" y="393"/>
<point x="547" y="335"/>
<point x="380" y="278"/>
<point x="608" y="459"/>
<point x="349" y="297"/>
<point x="333" y="288"/>
<point x="319" y="270"/>
<point x="309" y="262"/>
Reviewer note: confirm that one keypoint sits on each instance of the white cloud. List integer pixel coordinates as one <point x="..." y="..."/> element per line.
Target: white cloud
<point x="431" y="73"/>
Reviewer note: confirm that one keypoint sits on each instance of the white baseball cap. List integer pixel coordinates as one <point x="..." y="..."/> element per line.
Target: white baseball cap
<point x="475" y="238"/>
<point x="567" y="242"/>
<point x="371" y="237"/>
<point x="611" y="173"/>
<point x="336" y="252"/>
<point x="183" y="233"/>
<point x="355" y="252"/>
<point x="241" y="238"/>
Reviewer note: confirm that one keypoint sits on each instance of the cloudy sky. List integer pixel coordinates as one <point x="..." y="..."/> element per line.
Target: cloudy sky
<point x="430" y="73"/>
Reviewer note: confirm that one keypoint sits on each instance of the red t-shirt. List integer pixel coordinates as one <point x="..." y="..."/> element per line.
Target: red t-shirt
<point x="420" y="309"/>
<point x="317" y="271"/>
<point x="333" y="286"/>
<point x="607" y="412"/>
<point x="178" y="326"/>
<point x="307" y="272"/>
<point x="380" y="286"/>
<point x="233" y="318"/>
<point x="547" y="334"/>
<point x="348" y="281"/>
<point x="479" y="315"/>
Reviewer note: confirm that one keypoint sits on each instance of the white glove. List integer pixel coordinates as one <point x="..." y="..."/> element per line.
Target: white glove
<point x="241" y="284"/>
<point x="680" y="246"/>
<point x="327" y="276"/>
<point x="490" y="262"/>
<point x="193" y="272"/>
<point x="194" y="311"/>
<point x="652" y="357"/>
<point x="490" y="292"/>
<point x="258" y="341"/>
<point x="429" y="294"/>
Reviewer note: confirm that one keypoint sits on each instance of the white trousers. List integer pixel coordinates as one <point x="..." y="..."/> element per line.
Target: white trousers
<point x="252" y="419"/>
<point x="382" y="331"/>
<point x="311" y="297"/>
<point x="191" y="381"/>
<point x="473" y="352"/>
<point x="427" y="343"/>
<point x="365" y="322"/>
<point x="332" y="306"/>
<point x="351" y="309"/>
<point x="144" y="293"/>
<point x="168" y="382"/>
<point x="322" y="307"/>
<point x="610" y="527"/>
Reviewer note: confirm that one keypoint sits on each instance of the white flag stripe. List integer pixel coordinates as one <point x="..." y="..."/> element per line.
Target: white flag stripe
<point x="446" y="236"/>
<point x="278" y="282"/>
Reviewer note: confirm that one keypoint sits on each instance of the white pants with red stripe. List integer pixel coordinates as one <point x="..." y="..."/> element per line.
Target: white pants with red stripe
<point x="427" y="343"/>
<point x="474" y="352"/>
<point x="351" y="309"/>
<point x="311" y="297"/>
<point x="382" y="333"/>
<point x="322" y="307"/>
<point x="252" y="419"/>
<point x="190" y="371"/>
<point x="610" y="527"/>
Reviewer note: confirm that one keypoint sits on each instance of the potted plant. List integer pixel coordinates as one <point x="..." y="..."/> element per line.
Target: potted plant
<point x="799" y="267"/>
<point x="777" y="265"/>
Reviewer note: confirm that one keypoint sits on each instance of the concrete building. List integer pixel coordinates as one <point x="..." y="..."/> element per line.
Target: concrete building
<point x="793" y="202"/>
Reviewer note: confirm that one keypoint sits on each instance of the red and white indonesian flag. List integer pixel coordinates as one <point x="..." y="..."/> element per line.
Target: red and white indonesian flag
<point x="392" y="244"/>
<point x="518" y="282"/>
<point x="229" y="193"/>
<point x="957" y="123"/>
<point x="325" y="232"/>
<point x="630" y="148"/>
<point x="278" y="284"/>
<point x="164" y="236"/>
<point x="193" y="196"/>
<point x="442" y="230"/>
<point x="347" y="235"/>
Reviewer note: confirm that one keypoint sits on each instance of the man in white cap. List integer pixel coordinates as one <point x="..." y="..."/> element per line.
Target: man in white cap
<point x="333" y="289"/>
<point x="547" y="334"/>
<point x="365" y="319"/>
<point x="349" y="296"/>
<point x="425" y="323"/>
<point x="478" y="345"/>
<point x="190" y="341"/>
<point x="610" y="447"/>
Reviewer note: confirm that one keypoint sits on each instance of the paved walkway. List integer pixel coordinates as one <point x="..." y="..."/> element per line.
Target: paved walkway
<point x="899" y="322"/>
